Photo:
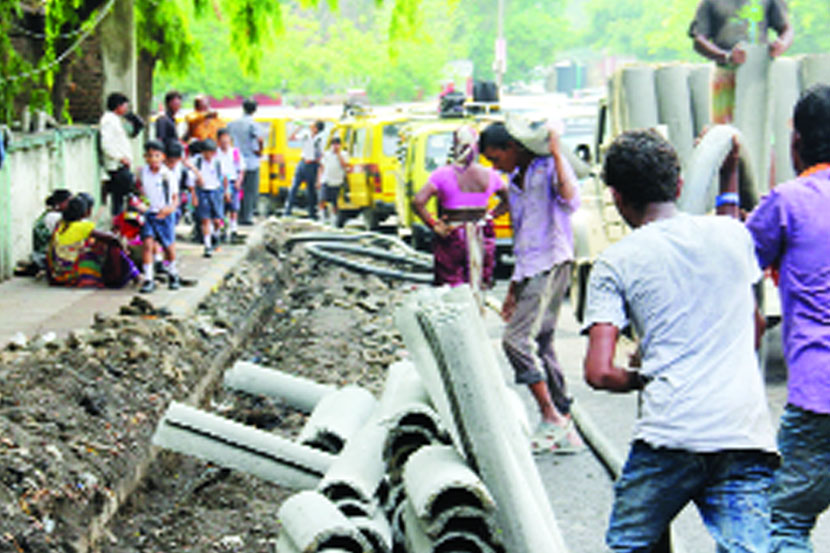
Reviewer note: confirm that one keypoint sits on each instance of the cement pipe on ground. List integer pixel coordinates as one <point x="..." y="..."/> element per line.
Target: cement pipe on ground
<point x="753" y="110"/>
<point x="338" y="417"/>
<point x="515" y="434"/>
<point x="423" y="359"/>
<point x="313" y="523"/>
<point x="675" y="108"/>
<point x="300" y="393"/>
<point x="639" y="97"/>
<point x="437" y="478"/>
<point x="785" y="89"/>
<point x="359" y="469"/>
<point x="227" y="443"/>
<point x="815" y="69"/>
<point x="700" y="89"/>
<point x="524" y="513"/>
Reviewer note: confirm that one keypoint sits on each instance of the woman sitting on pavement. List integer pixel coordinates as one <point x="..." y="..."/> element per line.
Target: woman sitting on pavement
<point x="463" y="190"/>
<point x="82" y="257"/>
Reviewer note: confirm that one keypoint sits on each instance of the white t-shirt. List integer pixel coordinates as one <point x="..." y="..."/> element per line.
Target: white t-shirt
<point x="312" y="146"/>
<point x="333" y="173"/>
<point x="153" y="187"/>
<point x="685" y="285"/>
<point x="232" y="163"/>
<point x="212" y="176"/>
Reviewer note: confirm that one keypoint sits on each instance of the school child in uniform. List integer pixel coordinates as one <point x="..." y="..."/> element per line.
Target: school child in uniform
<point x="161" y="192"/>
<point x="211" y="194"/>
<point x="234" y="168"/>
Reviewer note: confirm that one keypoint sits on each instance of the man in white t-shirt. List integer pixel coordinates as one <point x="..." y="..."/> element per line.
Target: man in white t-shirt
<point x="684" y="283"/>
<point x="308" y="167"/>
<point x="332" y="175"/>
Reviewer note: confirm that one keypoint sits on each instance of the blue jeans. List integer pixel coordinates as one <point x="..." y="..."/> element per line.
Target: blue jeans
<point x="802" y="485"/>
<point x="730" y="489"/>
<point x="306" y="172"/>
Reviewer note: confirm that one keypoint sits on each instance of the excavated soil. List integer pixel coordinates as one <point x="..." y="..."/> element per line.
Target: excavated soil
<point x="77" y="415"/>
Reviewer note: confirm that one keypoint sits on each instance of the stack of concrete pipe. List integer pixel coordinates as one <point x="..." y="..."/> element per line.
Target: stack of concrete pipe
<point x="677" y="99"/>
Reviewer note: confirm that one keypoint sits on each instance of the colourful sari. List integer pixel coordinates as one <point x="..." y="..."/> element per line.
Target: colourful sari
<point x="76" y="259"/>
<point x="453" y="259"/>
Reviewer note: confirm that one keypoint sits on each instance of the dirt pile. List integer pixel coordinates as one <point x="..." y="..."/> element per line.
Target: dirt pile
<point x="76" y="415"/>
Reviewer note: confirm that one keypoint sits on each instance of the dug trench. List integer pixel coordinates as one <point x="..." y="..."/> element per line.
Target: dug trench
<point x="77" y="471"/>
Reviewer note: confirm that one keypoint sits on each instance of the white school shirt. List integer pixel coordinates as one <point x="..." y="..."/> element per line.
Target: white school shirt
<point x="152" y="185"/>
<point x="232" y="163"/>
<point x="685" y="285"/>
<point x="212" y="178"/>
<point x="333" y="172"/>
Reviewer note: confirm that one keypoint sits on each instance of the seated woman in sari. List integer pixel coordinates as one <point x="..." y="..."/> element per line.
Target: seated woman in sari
<point x="83" y="257"/>
<point x="464" y="246"/>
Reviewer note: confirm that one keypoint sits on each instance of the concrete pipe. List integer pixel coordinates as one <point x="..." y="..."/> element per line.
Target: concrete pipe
<point x="402" y="442"/>
<point x="468" y="520"/>
<point x="377" y="532"/>
<point x="359" y="469"/>
<point x="488" y="433"/>
<point x="417" y="540"/>
<point x="513" y="434"/>
<point x="313" y="523"/>
<point x="700" y="89"/>
<point x="285" y="545"/>
<point x="639" y="98"/>
<point x="227" y="443"/>
<point x="785" y="90"/>
<point x="701" y="179"/>
<point x="462" y="542"/>
<point x="753" y="111"/>
<point x="354" y="508"/>
<point x="675" y="108"/>
<point x="300" y="393"/>
<point x="815" y="69"/>
<point x="437" y="479"/>
<point x="338" y="417"/>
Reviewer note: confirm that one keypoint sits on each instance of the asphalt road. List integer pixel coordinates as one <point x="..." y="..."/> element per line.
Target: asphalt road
<point x="579" y="487"/>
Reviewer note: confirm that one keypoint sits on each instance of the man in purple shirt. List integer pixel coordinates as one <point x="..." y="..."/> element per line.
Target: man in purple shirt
<point x="543" y="194"/>
<point x="791" y="229"/>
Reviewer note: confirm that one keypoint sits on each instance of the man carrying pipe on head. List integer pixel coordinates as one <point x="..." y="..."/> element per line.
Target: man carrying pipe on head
<point x="542" y="194"/>
<point x="685" y="284"/>
<point x="791" y="228"/>
<point x="719" y="29"/>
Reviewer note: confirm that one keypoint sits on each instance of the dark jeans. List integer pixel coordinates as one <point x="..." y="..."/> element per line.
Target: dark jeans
<point x="730" y="489"/>
<point x="250" y="195"/>
<point x="306" y="173"/>
<point x="119" y="187"/>
<point x="802" y="485"/>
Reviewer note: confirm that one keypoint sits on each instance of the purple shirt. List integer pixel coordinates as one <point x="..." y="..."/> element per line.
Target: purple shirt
<point x="791" y="229"/>
<point x="541" y="218"/>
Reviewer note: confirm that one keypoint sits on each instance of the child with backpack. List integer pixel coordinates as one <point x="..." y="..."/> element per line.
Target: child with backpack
<point x="161" y="192"/>
<point x="234" y="168"/>
<point x="212" y="192"/>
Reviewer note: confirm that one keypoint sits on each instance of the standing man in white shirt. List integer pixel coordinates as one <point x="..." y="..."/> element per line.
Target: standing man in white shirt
<point x="117" y="151"/>
<point x="332" y="175"/>
<point x="308" y="168"/>
<point x="684" y="283"/>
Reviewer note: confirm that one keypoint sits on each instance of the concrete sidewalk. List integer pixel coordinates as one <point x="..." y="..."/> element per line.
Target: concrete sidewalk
<point x="32" y="307"/>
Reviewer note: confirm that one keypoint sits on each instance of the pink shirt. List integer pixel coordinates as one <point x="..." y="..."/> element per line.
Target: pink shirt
<point x="450" y="196"/>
